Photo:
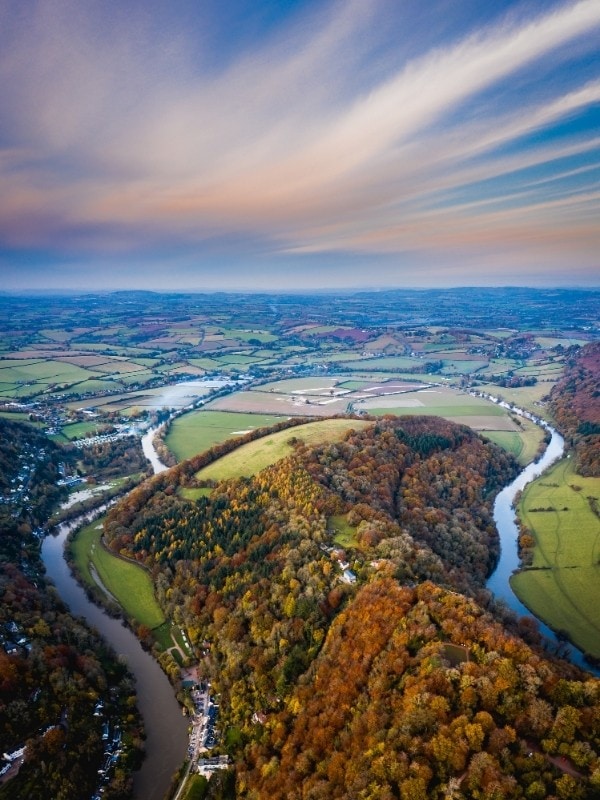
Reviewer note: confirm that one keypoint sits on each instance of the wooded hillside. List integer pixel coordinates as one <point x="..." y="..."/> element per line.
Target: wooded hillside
<point x="394" y="685"/>
<point x="53" y="670"/>
<point x="575" y="403"/>
<point x="418" y="694"/>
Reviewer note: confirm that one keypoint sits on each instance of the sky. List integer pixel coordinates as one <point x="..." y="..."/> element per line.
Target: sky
<point x="298" y="144"/>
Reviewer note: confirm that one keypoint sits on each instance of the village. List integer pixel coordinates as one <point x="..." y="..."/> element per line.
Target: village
<point x="203" y="734"/>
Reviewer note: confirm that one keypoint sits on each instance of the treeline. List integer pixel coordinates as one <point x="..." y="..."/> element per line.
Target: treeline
<point x="184" y="475"/>
<point x="508" y="381"/>
<point x="575" y="403"/>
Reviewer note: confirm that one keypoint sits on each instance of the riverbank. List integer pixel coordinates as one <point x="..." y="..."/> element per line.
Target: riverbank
<point x="559" y="520"/>
<point x="166" y="728"/>
<point x="499" y="583"/>
<point x="127" y="583"/>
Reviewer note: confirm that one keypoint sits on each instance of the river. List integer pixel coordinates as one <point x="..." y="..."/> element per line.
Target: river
<point x="166" y="728"/>
<point x="506" y="523"/>
<point x="150" y="451"/>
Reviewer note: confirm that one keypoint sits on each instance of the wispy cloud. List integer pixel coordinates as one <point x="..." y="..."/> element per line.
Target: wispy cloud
<point x="119" y="136"/>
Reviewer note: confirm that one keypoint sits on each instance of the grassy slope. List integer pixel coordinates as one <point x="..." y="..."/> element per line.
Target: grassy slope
<point x="510" y="441"/>
<point x="254" y="456"/>
<point x="563" y="591"/>
<point x="523" y="444"/>
<point x="127" y="582"/>
<point x="193" y="494"/>
<point x="192" y="433"/>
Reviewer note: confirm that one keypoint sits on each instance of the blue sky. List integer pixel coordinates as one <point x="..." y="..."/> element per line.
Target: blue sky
<point x="240" y="144"/>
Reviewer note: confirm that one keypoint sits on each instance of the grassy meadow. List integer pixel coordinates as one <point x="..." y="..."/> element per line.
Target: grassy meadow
<point x="128" y="583"/>
<point x="443" y="401"/>
<point x="77" y="430"/>
<point x="193" y="493"/>
<point x="523" y="444"/>
<point x="254" y="456"/>
<point x="344" y="534"/>
<point x="197" y="431"/>
<point x="561" y="510"/>
<point x="375" y="395"/>
<point x="531" y="398"/>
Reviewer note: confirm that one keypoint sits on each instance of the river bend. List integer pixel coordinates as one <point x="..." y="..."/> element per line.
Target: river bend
<point x="166" y="727"/>
<point x="506" y="524"/>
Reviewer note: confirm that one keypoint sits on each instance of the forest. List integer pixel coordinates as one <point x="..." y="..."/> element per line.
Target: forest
<point x="108" y="459"/>
<point x="28" y="486"/>
<point x="396" y="682"/>
<point x="576" y="407"/>
<point x="59" y="683"/>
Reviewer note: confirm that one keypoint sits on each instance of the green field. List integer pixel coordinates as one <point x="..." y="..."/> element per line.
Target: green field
<point x="191" y="493"/>
<point x="523" y="444"/>
<point x="77" y="430"/>
<point x="344" y="533"/>
<point x="163" y="636"/>
<point x="352" y="386"/>
<point x="553" y="341"/>
<point x="562" y="586"/>
<point x="19" y="416"/>
<point x="254" y="456"/>
<point x="300" y="385"/>
<point x="441" y="401"/>
<point x="437" y="411"/>
<point x="195" y="432"/>
<point x="240" y="358"/>
<point x="128" y="583"/>
<point x="386" y="363"/>
<point x="462" y="367"/>
<point x="204" y="363"/>
<point x="527" y="397"/>
<point x="44" y="372"/>
<point x="332" y="356"/>
<point x="247" y="335"/>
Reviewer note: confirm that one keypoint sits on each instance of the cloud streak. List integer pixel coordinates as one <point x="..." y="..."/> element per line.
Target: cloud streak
<point x="123" y="138"/>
